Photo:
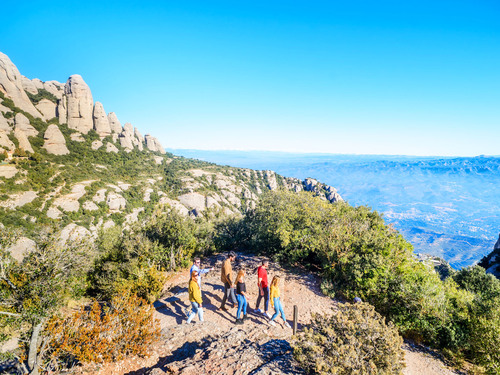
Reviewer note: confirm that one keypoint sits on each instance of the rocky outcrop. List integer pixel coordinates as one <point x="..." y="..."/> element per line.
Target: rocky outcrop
<point x="114" y="123"/>
<point x="19" y="200"/>
<point x="47" y="108"/>
<point x="80" y="104"/>
<point x="22" y="138"/>
<point x="7" y="171"/>
<point x="5" y="141"/>
<point x="153" y="144"/>
<point x="101" y="122"/>
<point x="73" y="234"/>
<point x="11" y="83"/>
<point x="4" y="125"/>
<point x="116" y="202"/>
<point x="491" y="262"/>
<point x="54" y="141"/>
<point x="138" y="135"/>
<point x="96" y="145"/>
<point x="22" y="248"/>
<point x="111" y="148"/>
<point x="28" y="85"/>
<point x="193" y="201"/>
<point x="23" y="124"/>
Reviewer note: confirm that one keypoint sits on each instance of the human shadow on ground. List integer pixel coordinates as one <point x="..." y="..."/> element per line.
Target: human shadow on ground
<point x="174" y="308"/>
<point x="187" y="350"/>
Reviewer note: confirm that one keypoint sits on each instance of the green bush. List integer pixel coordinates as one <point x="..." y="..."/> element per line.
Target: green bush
<point x="42" y="94"/>
<point x="354" y="340"/>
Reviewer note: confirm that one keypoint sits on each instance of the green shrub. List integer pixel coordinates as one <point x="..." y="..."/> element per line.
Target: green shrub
<point x="354" y="340"/>
<point x="42" y="94"/>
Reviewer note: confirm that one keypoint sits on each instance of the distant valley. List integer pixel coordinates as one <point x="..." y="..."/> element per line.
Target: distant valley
<point x="449" y="207"/>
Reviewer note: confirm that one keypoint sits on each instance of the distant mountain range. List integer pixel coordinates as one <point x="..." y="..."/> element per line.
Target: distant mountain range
<point x="448" y="207"/>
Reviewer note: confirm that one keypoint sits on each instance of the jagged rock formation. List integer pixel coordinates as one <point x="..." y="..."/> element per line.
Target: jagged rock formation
<point x="72" y="103"/>
<point x="54" y="141"/>
<point x="153" y="144"/>
<point x="80" y="104"/>
<point x="114" y="123"/>
<point x="11" y="83"/>
<point x="101" y="122"/>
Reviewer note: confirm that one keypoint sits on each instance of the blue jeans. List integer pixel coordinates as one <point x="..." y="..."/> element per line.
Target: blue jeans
<point x="228" y="292"/>
<point x="266" y="299"/>
<point x="242" y="305"/>
<point x="278" y="309"/>
<point x="196" y="310"/>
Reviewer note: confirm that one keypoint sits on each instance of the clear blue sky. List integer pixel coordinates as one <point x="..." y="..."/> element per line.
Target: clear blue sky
<point x="365" y="77"/>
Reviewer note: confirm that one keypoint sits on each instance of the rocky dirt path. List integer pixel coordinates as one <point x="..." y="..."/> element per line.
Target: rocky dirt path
<point x="218" y="346"/>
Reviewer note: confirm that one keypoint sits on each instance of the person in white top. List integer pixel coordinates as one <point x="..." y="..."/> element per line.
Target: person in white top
<point x="196" y="267"/>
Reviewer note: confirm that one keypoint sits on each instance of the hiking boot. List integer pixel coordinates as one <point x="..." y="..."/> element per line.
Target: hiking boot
<point x="287" y="325"/>
<point x="245" y="317"/>
<point x="268" y="315"/>
<point x="271" y="323"/>
<point x="258" y="311"/>
<point x="239" y="321"/>
<point x="222" y="308"/>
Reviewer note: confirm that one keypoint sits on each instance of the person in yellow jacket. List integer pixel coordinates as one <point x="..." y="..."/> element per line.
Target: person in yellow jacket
<point x="195" y="298"/>
<point x="274" y="296"/>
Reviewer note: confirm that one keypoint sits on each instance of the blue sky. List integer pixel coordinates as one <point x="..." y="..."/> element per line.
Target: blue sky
<point x="364" y="77"/>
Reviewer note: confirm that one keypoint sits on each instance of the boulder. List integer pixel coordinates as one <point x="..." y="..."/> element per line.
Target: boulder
<point x="101" y="122"/>
<point x="114" y="123"/>
<point x="54" y="141"/>
<point x="11" y="83"/>
<point x="80" y="104"/>
<point x="111" y="148"/>
<point x="23" y="124"/>
<point x="47" y="108"/>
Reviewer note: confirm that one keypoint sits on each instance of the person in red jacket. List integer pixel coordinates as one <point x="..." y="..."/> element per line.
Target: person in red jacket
<point x="263" y="285"/>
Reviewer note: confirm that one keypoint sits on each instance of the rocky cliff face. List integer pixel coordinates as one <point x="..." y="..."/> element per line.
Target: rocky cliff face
<point x="491" y="262"/>
<point x="71" y="103"/>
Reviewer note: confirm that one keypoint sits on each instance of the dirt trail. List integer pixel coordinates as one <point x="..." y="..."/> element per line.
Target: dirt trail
<point x="218" y="346"/>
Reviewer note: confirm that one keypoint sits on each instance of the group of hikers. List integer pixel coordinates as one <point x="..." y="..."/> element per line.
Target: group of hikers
<point x="236" y="291"/>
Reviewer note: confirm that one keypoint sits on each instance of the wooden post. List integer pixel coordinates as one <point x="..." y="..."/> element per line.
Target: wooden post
<point x="295" y="318"/>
